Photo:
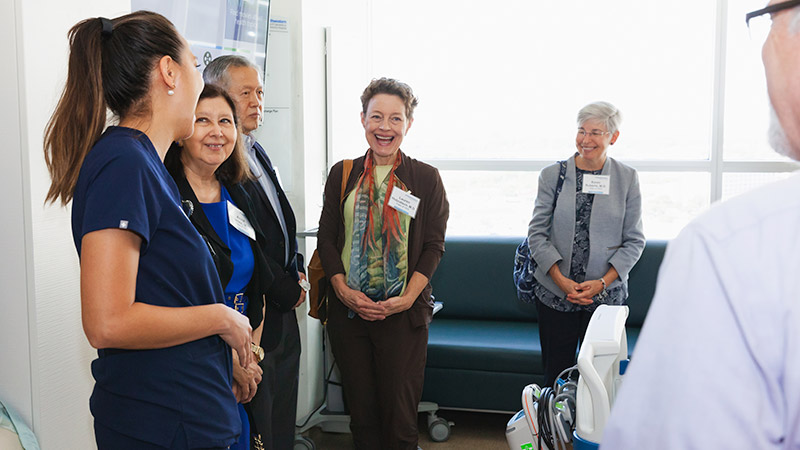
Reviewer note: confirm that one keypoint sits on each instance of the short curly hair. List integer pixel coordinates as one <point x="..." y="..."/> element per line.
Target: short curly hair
<point x="392" y="87"/>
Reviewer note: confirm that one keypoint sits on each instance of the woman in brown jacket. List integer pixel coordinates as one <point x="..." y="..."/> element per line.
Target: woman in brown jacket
<point x="379" y="249"/>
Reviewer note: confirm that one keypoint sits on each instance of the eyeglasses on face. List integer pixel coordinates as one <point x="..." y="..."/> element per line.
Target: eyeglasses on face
<point x="595" y="133"/>
<point x="771" y="9"/>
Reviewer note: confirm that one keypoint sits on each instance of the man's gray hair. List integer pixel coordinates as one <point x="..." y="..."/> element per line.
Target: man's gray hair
<point x="603" y="112"/>
<point x="216" y="72"/>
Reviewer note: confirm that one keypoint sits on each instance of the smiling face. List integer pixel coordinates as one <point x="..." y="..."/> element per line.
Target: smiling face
<point x="213" y="139"/>
<point x="592" y="141"/>
<point x="244" y="87"/>
<point x="385" y="125"/>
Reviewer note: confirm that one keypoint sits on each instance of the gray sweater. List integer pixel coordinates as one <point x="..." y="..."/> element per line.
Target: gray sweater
<point x="615" y="231"/>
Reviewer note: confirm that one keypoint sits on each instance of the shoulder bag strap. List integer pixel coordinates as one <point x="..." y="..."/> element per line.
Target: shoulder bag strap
<point x="347" y="166"/>
<point x="562" y="173"/>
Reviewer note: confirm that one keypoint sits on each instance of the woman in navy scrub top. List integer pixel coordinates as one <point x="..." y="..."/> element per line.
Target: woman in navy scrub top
<point x="208" y="167"/>
<point x="151" y="300"/>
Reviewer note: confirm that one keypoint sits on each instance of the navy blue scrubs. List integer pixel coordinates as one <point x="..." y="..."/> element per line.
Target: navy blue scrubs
<point x="159" y="395"/>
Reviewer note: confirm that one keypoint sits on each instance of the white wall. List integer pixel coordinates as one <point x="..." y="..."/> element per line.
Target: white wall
<point x="310" y="387"/>
<point x="349" y="32"/>
<point x="15" y="266"/>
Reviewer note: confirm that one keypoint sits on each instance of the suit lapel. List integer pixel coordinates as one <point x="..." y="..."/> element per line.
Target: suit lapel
<point x="288" y="214"/>
<point x="197" y="217"/>
<point x="266" y="164"/>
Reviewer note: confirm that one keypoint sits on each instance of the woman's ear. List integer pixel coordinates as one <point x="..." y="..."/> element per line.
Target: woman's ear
<point x="167" y="71"/>
<point x="410" y="121"/>
<point x="614" y="137"/>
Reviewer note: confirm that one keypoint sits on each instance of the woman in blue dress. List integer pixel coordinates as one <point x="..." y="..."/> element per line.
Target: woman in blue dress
<point x="208" y="167"/>
<point x="163" y="374"/>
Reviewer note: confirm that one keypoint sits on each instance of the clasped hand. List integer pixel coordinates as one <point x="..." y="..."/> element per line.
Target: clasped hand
<point x="580" y="293"/>
<point x="245" y="380"/>
<point x="369" y="310"/>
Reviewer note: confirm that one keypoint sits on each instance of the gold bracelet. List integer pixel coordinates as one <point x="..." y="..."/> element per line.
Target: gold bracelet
<point x="258" y="351"/>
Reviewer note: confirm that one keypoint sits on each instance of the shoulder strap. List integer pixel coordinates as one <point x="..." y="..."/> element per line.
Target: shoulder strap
<point x="347" y="166"/>
<point x="562" y="173"/>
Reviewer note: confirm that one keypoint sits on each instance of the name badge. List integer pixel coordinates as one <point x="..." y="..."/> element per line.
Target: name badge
<point x="239" y="221"/>
<point x="596" y="184"/>
<point x="404" y="202"/>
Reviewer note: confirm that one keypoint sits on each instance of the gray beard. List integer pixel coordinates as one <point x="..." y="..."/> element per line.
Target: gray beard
<point x="777" y="137"/>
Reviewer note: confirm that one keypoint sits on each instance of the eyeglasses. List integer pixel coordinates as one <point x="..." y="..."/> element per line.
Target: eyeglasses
<point x="759" y="28"/>
<point x="771" y="9"/>
<point x="595" y="133"/>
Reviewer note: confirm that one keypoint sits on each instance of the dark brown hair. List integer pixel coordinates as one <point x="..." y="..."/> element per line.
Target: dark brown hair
<point x="235" y="168"/>
<point x="392" y="87"/>
<point x="110" y="66"/>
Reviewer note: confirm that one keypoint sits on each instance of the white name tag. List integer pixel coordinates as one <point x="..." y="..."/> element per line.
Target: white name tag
<point x="596" y="184"/>
<point x="239" y="221"/>
<point x="404" y="202"/>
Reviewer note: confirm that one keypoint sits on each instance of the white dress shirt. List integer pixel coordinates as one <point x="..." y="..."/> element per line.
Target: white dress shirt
<point x="717" y="364"/>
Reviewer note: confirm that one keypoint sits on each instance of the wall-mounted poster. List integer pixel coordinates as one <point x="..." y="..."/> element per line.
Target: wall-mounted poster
<point x="217" y="27"/>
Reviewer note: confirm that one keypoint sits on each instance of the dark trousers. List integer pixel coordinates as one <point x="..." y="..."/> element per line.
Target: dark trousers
<point x="108" y="439"/>
<point x="274" y="407"/>
<point x="560" y="333"/>
<point x="382" y="365"/>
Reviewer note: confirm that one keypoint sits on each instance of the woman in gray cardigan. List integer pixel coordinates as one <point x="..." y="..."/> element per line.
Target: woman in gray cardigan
<point x="585" y="236"/>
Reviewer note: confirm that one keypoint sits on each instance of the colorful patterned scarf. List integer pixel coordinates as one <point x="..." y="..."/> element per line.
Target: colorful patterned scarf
<point x="379" y="257"/>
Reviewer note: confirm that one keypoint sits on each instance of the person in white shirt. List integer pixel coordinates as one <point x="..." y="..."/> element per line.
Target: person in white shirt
<point x="717" y="364"/>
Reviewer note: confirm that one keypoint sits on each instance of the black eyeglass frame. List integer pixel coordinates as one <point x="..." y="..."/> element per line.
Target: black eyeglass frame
<point x="771" y="9"/>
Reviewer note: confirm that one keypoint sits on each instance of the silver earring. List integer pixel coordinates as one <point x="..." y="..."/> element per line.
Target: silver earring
<point x="170" y="92"/>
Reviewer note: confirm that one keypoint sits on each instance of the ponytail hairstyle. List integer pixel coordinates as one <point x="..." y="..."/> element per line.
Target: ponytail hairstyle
<point x="110" y="66"/>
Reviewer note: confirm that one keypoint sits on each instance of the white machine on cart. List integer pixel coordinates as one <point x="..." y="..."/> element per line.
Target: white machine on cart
<point x="573" y="411"/>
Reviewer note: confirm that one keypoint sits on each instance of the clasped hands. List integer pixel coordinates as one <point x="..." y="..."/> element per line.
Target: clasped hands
<point x="580" y="293"/>
<point x="245" y="379"/>
<point x="370" y="310"/>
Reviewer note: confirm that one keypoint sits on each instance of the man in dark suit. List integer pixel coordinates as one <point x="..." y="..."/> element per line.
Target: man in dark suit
<point x="274" y="407"/>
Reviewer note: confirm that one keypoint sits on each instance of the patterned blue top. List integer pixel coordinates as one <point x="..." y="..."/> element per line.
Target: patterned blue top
<point x="580" y="255"/>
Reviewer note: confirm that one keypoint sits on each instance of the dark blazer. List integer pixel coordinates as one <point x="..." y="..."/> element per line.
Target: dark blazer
<point x="262" y="277"/>
<point x="425" y="235"/>
<point x="284" y="290"/>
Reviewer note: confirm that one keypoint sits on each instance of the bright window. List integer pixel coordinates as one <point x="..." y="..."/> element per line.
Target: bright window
<point x="500" y="87"/>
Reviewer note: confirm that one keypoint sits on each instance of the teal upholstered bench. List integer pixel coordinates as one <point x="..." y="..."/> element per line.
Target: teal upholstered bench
<point x="484" y="345"/>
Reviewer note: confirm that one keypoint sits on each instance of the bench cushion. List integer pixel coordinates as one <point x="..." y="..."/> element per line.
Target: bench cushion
<point x="642" y="282"/>
<point x="492" y="346"/>
<point x="474" y="280"/>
